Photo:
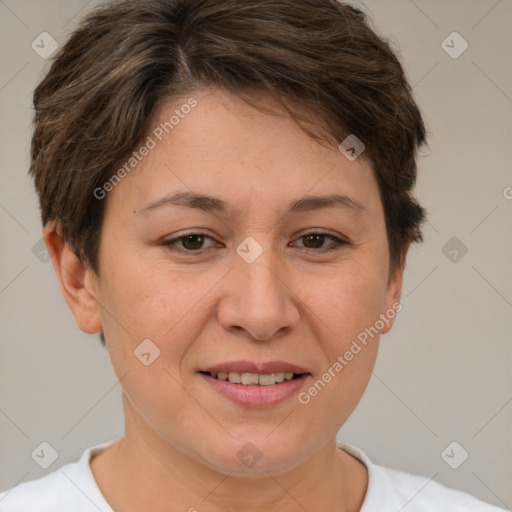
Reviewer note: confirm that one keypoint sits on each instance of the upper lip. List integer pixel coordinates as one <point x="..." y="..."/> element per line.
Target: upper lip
<point x="260" y="368"/>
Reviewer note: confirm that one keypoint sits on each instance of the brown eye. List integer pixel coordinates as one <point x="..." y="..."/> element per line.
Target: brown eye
<point x="315" y="242"/>
<point x="192" y="242"/>
<point x="189" y="243"/>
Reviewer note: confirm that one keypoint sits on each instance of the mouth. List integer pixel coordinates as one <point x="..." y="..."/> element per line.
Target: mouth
<point x="255" y="385"/>
<point x="254" y="379"/>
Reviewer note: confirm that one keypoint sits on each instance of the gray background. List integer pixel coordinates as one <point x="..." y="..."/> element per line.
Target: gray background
<point x="444" y="371"/>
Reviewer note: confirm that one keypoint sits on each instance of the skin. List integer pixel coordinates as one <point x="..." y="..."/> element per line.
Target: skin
<point x="295" y="303"/>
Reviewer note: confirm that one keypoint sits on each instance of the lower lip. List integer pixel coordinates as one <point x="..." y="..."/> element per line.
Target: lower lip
<point x="256" y="395"/>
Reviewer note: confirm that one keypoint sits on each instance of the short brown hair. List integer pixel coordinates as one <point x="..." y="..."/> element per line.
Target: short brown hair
<point x="96" y="103"/>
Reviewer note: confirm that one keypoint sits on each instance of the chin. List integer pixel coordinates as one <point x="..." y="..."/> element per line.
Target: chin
<point x="258" y="457"/>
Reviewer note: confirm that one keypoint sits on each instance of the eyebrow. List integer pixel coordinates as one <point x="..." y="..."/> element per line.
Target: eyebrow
<point x="214" y="204"/>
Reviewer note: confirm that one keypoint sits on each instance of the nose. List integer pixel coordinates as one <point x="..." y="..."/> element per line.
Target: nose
<point x="259" y="298"/>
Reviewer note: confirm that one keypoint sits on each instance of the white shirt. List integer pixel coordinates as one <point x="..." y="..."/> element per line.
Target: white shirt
<point x="72" y="488"/>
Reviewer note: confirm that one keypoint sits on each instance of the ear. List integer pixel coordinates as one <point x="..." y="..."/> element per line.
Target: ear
<point x="394" y="292"/>
<point x="77" y="280"/>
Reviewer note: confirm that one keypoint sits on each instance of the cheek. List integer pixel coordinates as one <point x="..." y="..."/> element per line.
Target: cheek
<point x="139" y="294"/>
<point x="154" y="302"/>
<point x="344" y="312"/>
<point x="148" y="303"/>
<point x="345" y="305"/>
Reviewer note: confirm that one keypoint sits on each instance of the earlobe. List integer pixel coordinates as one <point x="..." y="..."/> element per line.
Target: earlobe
<point x="77" y="280"/>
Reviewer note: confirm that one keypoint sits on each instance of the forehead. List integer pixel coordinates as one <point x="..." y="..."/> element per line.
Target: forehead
<point x="222" y="152"/>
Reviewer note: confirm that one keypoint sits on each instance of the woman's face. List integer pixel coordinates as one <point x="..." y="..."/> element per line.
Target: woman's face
<point x="249" y="292"/>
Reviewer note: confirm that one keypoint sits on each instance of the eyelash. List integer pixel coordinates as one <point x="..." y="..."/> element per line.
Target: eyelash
<point x="338" y="242"/>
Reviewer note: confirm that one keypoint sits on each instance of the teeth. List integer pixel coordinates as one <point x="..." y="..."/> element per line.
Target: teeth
<point x="252" y="379"/>
<point x="267" y="380"/>
<point x="234" y="377"/>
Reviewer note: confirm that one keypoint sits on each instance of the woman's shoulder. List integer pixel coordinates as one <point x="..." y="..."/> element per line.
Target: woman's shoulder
<point x="391" y="490"/>
<point x="71" y="487"/>
<point x="428" y="495"/>
<point x="40" y="494"/>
